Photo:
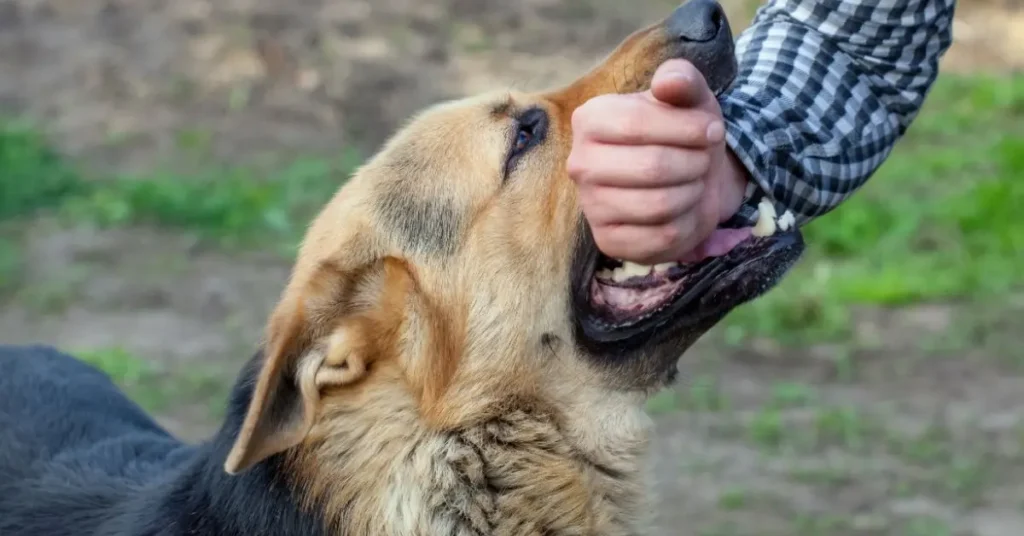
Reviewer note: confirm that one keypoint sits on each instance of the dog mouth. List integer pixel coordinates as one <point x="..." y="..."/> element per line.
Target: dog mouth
<point x="623" y="292"/>
<point x="622" y="305"/>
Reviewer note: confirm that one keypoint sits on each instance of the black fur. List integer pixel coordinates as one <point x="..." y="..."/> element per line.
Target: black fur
<point x="78" y="458"/>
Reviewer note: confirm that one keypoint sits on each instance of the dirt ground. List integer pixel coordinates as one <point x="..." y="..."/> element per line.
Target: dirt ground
<point x="118" y="82"/>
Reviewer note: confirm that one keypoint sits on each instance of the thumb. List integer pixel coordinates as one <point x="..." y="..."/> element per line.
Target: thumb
<point x="679" y="83"/>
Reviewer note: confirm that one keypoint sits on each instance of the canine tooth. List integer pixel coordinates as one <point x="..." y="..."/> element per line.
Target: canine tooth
<point x="664" y="267"/>
<point x="633" y="269"/>
<point x="765" y="225"/>
<point x="787" y="220"/>
<point x="619" y="274"/>
<point x="605" y="273"/>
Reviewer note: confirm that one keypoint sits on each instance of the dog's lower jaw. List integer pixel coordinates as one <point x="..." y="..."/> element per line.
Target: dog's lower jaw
<point x="517" y="474"/>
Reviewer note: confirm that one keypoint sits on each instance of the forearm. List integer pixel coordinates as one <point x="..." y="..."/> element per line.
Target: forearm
<point x="825" y="90"/>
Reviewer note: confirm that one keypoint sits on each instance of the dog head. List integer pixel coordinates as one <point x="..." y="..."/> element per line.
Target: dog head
<point x="456" y="272"/>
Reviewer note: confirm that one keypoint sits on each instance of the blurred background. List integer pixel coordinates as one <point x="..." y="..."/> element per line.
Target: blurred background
<point x="159" y="159"/>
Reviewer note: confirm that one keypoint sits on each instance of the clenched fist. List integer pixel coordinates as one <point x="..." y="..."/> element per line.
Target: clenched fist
<point x="653" y="172"/>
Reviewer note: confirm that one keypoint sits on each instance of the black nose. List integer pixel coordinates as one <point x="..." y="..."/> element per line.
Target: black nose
<point x="697" y="21"/>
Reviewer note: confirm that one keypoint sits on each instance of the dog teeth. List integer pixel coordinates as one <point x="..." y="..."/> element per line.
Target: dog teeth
<point x="765" y="225"/>
<point x="626" y="271"/>
<point x="768" y="222"/>
<point x="787" y="220"/>
<point x="629" y="270"/>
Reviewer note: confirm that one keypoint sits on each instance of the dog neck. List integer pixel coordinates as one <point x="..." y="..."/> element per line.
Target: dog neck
<point x="373" y="467"/>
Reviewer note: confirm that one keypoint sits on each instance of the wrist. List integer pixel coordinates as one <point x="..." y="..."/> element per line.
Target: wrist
<point x="734" y="185"/>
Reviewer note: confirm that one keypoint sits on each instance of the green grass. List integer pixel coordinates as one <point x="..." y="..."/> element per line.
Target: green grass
<point x="843" y="426"/>
<point x="704" y="394"/>
<point x="701" y="393"/>
<point x="10" y="263"/>
<point x="775" y="430"/>
<point x="926" y="526"/>
<point x="157" y="389"/>
<point x="939" y="221"/>
<point x="790" y="394"/>
<point x="239" y="205"/>
<point x="768" y="430"/>
<point x="124" y="369"/>
<point x="32" y="176"/>
<point x="233" y="205"/>
<point x="733" y="499"/>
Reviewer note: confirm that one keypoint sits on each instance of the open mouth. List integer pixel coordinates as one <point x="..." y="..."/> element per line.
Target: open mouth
<point x="623" y="292"/>
<point x="625" y="305"/>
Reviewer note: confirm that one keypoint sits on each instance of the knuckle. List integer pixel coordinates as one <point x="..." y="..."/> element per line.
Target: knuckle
<point x="691" y="198"/>
<point x="697" y="190"/>
<point x="597" y="210"/>
<point x="576" y="164"/>
<point x="588" y="204"/>
<point x="701" y="162"/>
<point x="663" y="205"/>
<point x="580" y="116"/>
<point x="657" y="165"/>
<point x="583" y="116"/>
<point x="630" y="123"/>
<point x="696" y="129"/>
<point x="698" y="124"/>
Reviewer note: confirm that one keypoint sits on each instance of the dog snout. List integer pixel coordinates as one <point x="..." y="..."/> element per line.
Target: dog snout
<point x="698" y="31"/>
<point x="697" y="21"/>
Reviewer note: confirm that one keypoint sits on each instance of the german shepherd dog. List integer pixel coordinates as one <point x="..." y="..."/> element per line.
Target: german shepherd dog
<point x="446" y="358"/>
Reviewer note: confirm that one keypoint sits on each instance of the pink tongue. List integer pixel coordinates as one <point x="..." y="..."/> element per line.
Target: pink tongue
<point x="719" y="243"/>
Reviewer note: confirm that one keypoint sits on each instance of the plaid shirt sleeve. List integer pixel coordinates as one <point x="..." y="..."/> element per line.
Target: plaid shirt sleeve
<point x="825" y="89"/>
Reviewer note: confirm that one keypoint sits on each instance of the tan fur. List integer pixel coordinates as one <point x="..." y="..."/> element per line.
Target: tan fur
<point x="440" y="389"/>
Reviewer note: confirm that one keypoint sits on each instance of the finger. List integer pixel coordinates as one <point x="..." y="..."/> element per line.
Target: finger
<point x="647" y="244"/>
<point x="626" y="206"/>
<point x="643" y="166"/>
<point x="634" y="120"/>
<point x="678" y="83"/>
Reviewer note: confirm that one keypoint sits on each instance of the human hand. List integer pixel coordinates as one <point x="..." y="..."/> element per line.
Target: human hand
<point x="654" y="175"/>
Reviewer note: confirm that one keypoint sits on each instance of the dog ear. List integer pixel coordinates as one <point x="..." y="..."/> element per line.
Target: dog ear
<point x="324" y="336"/>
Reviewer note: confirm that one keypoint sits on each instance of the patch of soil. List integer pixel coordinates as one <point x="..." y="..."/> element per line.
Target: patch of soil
<point x="988" y="35"/>
<point x="116" y="81"/>
<point x="910" y="438"/>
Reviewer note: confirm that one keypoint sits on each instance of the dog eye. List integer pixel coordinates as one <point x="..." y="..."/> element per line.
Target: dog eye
<point x="531" y="129"/>
<point x="523" y="138"/>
